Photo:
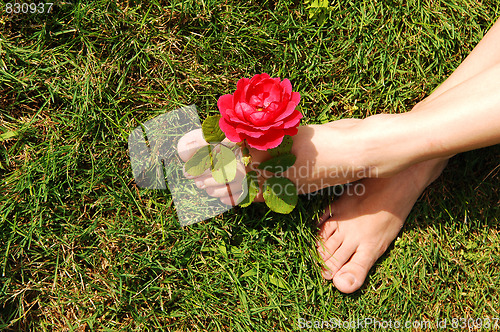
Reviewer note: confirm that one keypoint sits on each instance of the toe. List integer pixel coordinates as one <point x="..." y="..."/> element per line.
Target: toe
<point x="328" y="246"/>
<point x="338" y="259"/>
<point x="326" y="215"/>
<point x="231" y="200"/>
<point x="201" y="177"/>
<point x="327" y="229"/>
<point x="353" y="274"/>
<point x="209" y="181"/>
<point x="200" y="184"/>
<point x="190" y="143"/>
<point x="224" y="190"/>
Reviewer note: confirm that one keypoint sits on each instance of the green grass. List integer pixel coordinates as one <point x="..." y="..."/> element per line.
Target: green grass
<point x="83" y="249"/>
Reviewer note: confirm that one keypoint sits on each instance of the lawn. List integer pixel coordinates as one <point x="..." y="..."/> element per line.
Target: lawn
<point x="82" y="248"/>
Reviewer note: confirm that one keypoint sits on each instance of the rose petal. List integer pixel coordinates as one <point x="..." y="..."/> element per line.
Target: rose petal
<point x="274" y="108"/>
<point x="256" y="100"/>
<point x="224" y="103"/>
<point x="245" y="110"/>
<point x="293" y="120"/>
<point x="286" y="111"/>
<point x="242" y="83"/>
<point x="274" y="95"/>
<point x="287" y="86"/>
<point x="291" y="106"/>
<point x="258" y="77"/>
<point x="291" y="131"/>
<point x="232" y="116"/>
<point x="248" y="131"/>
<point x="241" y="90"/>
<point x="261" y="118"/>
<point x="269" y="140"/>
<point x="273" y="124"/>
<point x="295" y="98"/>
<point x="230" y="130"/>
<point x="258" y="92"/>
<point x="257" y="117"/>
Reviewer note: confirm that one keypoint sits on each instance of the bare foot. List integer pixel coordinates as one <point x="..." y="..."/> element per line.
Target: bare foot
<point x="227" y="193"/>
<point x="361" y="228"/>
<point x="327" y="155"/>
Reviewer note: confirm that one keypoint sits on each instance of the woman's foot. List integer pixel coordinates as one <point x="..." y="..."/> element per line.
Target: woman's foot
<point x="356" y="230"/>
<point x="362" y="227"/>
<point x="327" y="155"/>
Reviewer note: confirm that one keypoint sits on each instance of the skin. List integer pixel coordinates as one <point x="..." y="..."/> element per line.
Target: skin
<point x="396" y="155"/>
<point x="362" y="228"/>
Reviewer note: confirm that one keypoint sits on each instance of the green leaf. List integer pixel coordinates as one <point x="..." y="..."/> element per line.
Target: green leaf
<point x="224" y="167"/>
<point x="277" y="281"/>
<point x="319" y="4"/>
<point x="279" y="163"/>
<point x="223" y="250"/>
<point x="250" y="188"/>
<point x="318" y="9"/>
<point x="199" y="162"/>
<point x="245" y="151"/>
<point x="211" y="130"/>
<point x="280" y="194"/>
<point x="8" y="135"/>
<point x="284" y="147"/>
<point x="250" y="273"/>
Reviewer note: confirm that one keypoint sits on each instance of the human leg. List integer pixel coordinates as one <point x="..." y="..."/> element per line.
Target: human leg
<point x="363" y="227"/>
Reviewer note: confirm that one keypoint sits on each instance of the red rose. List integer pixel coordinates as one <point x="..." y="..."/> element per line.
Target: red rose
<point x="261" y="111"/>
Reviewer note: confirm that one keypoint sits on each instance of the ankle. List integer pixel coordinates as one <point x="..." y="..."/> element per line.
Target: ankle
<point x="381" y="151"/>
<point x="426" y="172"/>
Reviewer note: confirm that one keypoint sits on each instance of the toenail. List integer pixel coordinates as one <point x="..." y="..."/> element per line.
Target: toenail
<point x="327" y="274"/>
<point x="322" y="252"/>
<point x="348" y="277"/>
